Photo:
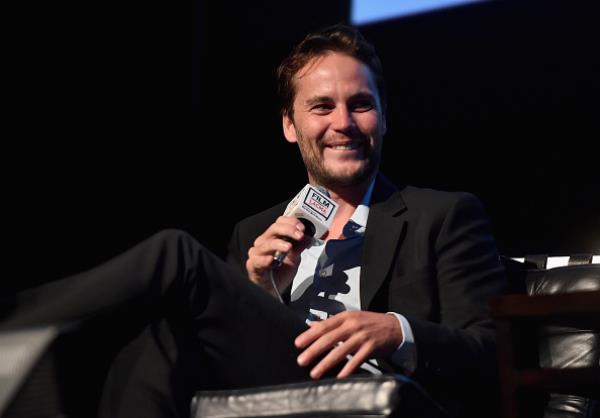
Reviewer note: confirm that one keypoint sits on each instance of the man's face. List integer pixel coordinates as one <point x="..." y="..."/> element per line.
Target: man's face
<point x="338" y="122"/>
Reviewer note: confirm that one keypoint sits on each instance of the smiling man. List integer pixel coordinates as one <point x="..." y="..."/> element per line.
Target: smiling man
<point x="399" y="282"/>
<point x="403" y="277"/>
<point x="337" y="120"/>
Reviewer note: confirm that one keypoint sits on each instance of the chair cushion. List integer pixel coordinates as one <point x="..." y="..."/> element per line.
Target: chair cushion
<point x="574" y="278"/>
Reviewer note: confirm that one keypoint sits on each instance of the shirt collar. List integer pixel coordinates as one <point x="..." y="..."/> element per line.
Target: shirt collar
<point x="357" y="224"/>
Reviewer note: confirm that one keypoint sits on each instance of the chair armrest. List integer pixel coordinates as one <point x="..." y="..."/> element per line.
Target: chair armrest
<point x="582" y="305"/>
<point x="359" y="396"/>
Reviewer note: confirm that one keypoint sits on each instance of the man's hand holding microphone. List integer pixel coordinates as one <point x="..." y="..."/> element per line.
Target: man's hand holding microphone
<point x="274" y="258"/>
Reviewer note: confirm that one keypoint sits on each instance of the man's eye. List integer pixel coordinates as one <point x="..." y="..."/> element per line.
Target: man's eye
<point x="322" y="107"/>
<point x="362" y="106"/>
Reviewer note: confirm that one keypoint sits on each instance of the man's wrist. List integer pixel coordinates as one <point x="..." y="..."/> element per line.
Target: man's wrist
<point x="405" y="355"/>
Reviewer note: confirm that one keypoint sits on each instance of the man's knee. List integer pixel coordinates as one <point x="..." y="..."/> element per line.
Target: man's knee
<point x="174" y="237"/>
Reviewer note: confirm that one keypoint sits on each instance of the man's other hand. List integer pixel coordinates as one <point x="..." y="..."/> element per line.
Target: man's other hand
<point x="362" y="334"/>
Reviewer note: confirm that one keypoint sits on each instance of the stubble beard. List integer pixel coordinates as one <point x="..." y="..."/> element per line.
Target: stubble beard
<point x="313" y="161"/>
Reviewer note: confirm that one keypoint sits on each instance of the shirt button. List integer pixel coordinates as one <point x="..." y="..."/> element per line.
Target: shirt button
<point x="326" y="271"/>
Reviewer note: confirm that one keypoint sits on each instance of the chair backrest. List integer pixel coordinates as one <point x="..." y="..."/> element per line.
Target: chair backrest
<point x="562" y="345"/>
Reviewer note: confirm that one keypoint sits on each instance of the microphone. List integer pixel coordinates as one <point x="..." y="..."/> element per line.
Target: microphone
<point x="315" y="209"/>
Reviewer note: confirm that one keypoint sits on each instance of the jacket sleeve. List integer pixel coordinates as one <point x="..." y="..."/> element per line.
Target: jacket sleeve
<point x="461" y="346"/>
<point x="235" y="256"/>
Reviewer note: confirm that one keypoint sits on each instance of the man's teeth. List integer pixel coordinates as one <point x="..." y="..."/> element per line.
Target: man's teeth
<point x="346" y="147"/>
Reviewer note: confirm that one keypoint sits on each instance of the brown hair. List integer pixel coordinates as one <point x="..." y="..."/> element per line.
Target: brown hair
<point x="337" y="38"/>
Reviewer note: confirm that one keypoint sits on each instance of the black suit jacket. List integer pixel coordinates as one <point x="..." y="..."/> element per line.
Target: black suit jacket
<point x="429" y="255"/>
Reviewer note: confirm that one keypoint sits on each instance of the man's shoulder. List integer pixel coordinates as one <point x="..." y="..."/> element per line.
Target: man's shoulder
<point x="428" y="203"/>
<point x="420" y="198"/>
<point x="423" y="196"/>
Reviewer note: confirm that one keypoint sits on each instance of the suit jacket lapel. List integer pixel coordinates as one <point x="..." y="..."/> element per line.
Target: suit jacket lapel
<point x="384" y="231"/>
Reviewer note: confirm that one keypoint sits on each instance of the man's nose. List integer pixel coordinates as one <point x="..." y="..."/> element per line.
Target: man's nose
<point x="343" y="119"/>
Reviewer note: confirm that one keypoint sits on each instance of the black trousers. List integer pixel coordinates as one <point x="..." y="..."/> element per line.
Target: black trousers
<point x="191" y="322"/>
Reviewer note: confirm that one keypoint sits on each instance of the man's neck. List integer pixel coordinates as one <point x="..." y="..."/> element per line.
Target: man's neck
<point x="348" y="199"/>
<point x="348" y="195"/>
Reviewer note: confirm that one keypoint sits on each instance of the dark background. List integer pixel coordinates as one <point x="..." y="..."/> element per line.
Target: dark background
<point x="136" y="118"/>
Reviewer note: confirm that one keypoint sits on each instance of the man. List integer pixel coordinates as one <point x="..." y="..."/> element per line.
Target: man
<point x="402" y="276"/>
<point x="427" y="256"/>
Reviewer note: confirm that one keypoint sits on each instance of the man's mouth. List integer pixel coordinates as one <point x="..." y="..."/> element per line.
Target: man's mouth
<point x="345" y="147"/>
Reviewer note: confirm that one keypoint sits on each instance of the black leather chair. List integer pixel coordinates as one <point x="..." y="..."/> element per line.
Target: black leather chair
<point x="549" y="338"/>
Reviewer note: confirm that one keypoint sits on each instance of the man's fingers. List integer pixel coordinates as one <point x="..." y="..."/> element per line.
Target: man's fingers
<point x="325" y="341"/>
<point x="362" y="355"/>
<point x="269" y="247"/>
<point x="290" y="220"/>
<point x="287" y="227"/>
<point x="338" y="354"/>
<point x="262" y="262"/>
<point x="316" y="330"/>
<point x="354" y="350"/>
<point x="261" y="257"/>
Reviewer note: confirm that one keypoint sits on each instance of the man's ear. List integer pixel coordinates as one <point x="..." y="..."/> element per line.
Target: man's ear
<point x="289" y="130"/>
